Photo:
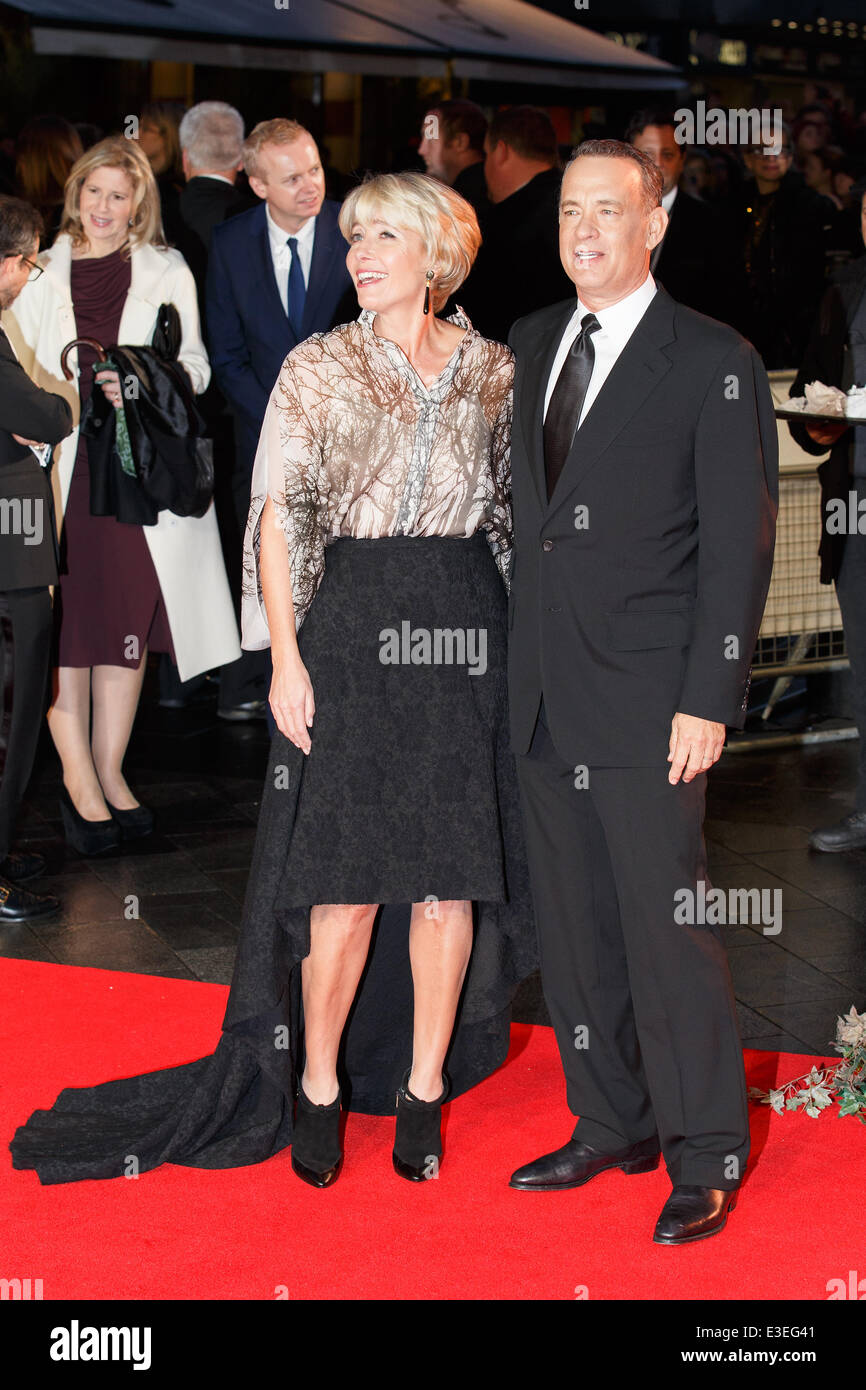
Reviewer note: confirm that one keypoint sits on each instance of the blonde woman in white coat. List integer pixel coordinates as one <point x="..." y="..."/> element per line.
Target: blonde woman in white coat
<point x="125" y="588"/>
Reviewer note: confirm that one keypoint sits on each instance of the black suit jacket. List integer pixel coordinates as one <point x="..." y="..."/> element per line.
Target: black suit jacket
<point x="828" y="359"/>
<point x="249" y="332"/>
<point x="695" y="264"/>
<point x="204" y="204"/>
<point x="28" y="550"/>
<point x="517" y="268"/>
<point x="649" y="602"/>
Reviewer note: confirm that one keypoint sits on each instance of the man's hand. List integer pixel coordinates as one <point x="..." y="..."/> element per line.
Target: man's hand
<point x="823" y="432"/>
<point x="695" y="745"/>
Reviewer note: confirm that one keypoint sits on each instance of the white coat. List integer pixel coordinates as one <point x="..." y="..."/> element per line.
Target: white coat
<point x="186" y="550"/>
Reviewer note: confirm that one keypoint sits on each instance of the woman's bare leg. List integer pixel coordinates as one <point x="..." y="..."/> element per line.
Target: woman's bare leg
<point x="440" y="944"/>
<point x="69" y="726"/>
<point x="339" y="943"/>
<point x="116" y="692"/>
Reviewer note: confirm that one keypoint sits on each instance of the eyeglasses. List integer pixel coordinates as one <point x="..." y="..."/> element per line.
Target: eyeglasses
<point x="770" y="152"/>
<point x="35" y="270"/>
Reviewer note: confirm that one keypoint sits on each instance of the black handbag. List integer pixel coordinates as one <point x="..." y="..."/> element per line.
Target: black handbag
<point x="151" y="454"/>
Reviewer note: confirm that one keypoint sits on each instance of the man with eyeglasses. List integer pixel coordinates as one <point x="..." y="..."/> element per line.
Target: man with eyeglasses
<point x="31" y="422"/>
<point x="783" y="228"/>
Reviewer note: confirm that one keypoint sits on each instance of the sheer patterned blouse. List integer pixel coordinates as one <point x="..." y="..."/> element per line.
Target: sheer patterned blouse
<point x="354" y="444"/>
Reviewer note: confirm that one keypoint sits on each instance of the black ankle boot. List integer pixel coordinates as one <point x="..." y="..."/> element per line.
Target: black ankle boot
<point x="316" y="1153"/>
<point x="418" y="1138"/>
<point x="89" y="837"/>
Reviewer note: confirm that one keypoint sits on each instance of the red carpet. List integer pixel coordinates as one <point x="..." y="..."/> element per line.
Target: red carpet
<point x="246" y="1232"/>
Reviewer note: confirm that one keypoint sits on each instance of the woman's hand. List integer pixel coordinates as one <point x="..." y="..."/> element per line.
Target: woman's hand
<point x="825" y="432"/>
<point x="110" y="383"/>
<point x="291" y="701"/>
<point x="32" y="443"/>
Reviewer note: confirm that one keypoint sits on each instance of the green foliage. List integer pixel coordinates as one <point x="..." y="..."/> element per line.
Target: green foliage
<point x="844" y="1081"/>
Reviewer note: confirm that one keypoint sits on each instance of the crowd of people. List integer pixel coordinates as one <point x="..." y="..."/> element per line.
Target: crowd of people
<point x="368" y="467"/>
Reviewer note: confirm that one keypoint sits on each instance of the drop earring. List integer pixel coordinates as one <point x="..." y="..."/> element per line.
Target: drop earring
<point x="427" y="292"/>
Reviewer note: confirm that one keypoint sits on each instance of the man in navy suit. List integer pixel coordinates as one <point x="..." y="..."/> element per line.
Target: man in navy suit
<point x="276" y="275"/>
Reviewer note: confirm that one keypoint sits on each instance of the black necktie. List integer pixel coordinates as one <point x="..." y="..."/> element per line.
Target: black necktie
<point x="566" y="403"/>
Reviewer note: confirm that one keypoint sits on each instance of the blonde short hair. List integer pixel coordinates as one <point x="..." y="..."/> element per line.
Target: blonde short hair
<point x="117" y="152"/>
<point x="445" y="222"/>
<point x="279" y="131"/>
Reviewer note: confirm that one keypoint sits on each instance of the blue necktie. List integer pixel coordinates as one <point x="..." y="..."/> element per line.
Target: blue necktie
<point x="297" y="288"/>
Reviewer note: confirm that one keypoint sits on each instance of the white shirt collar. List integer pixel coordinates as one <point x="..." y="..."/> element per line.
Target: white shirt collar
<point x="620" y="320"/>
<point x="669" y="199"/>
<point x="220" y="178"/>
<point x="279" y="237"/>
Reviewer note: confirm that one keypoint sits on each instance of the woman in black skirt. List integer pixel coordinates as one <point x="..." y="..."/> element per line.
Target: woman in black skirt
<point x="377" y="561"/>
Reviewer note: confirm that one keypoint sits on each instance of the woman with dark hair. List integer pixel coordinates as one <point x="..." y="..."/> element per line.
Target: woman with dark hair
<point x="159" y="140"/>
<point x="45" y="151"/>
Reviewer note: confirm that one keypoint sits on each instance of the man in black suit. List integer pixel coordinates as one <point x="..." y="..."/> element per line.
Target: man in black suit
<point x="836" y="355"/>
<point x="781" y="228"/>
<point x="644" y="475"/>
<point x="452" y="148"/>
<point x="517" y="268"/>
<point x="31" y="420"/>
<point x="211" y="141"/>
<point x="276" y="274"/>
<point x="693" y="260"/>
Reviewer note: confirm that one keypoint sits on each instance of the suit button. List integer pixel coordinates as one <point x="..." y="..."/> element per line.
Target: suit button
<point x="547" y="545"/>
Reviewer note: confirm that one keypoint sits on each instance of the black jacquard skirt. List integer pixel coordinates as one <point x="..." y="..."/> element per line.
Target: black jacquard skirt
<point x="398" y="801"/>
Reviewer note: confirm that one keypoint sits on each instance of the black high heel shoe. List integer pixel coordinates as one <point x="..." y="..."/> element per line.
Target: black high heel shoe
<point x="89" y="837"/>
<point x="418" y="1137"/>
<point x="317" y="1156"/>
<point x="134" y="824"/>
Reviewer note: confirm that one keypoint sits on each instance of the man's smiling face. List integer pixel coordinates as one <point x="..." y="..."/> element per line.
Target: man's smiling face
<point x="606" y="231"/>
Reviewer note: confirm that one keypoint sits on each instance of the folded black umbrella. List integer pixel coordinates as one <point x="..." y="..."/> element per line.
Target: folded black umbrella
<point x="150" y="454"/>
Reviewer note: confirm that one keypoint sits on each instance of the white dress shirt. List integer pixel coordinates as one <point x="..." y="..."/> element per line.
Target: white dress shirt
<point x="281" y="254"/>
<point x="618" y="322"/>
<point x="669" y="199"/>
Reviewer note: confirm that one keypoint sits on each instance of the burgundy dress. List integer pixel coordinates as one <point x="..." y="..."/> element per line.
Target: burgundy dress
<point x="110" y="606"/>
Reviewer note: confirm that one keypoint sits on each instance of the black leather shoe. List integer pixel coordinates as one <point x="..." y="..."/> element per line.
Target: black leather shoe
<point x="575" y="1163"/>
<point x="693" y="1213"/>
<point x="133" y="824"/>
<point x="17" y="905"/>
<point x="418" y="1136"/>
<point x="89" y="837"/>
<point x="20" y="865"/>
<point x="317" y="1156"/>
<point x="849" y="833"/>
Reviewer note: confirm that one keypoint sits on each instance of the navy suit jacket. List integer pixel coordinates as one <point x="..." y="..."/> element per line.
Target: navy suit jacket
<point x="249" y="332"/>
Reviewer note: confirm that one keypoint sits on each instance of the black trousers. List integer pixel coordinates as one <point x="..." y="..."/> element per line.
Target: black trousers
<point x="850" y="591"/>
<point x="25" y="650"/>
<point x="642" y="1006"/>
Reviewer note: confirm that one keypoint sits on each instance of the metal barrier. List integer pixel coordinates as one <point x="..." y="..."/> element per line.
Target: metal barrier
<point x="801" y="630"/>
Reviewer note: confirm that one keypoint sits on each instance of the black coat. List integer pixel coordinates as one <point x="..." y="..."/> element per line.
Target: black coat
<point x="783" y="288"/>
<point x="171" y="460"/>
<point x="695" y="263"/>
<point x="625" y="614"/>
<point x="204" y="204"/>
<point x="827" y="359"/>
<point x="517" y="269"/>
<point x="25" y="487"/>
